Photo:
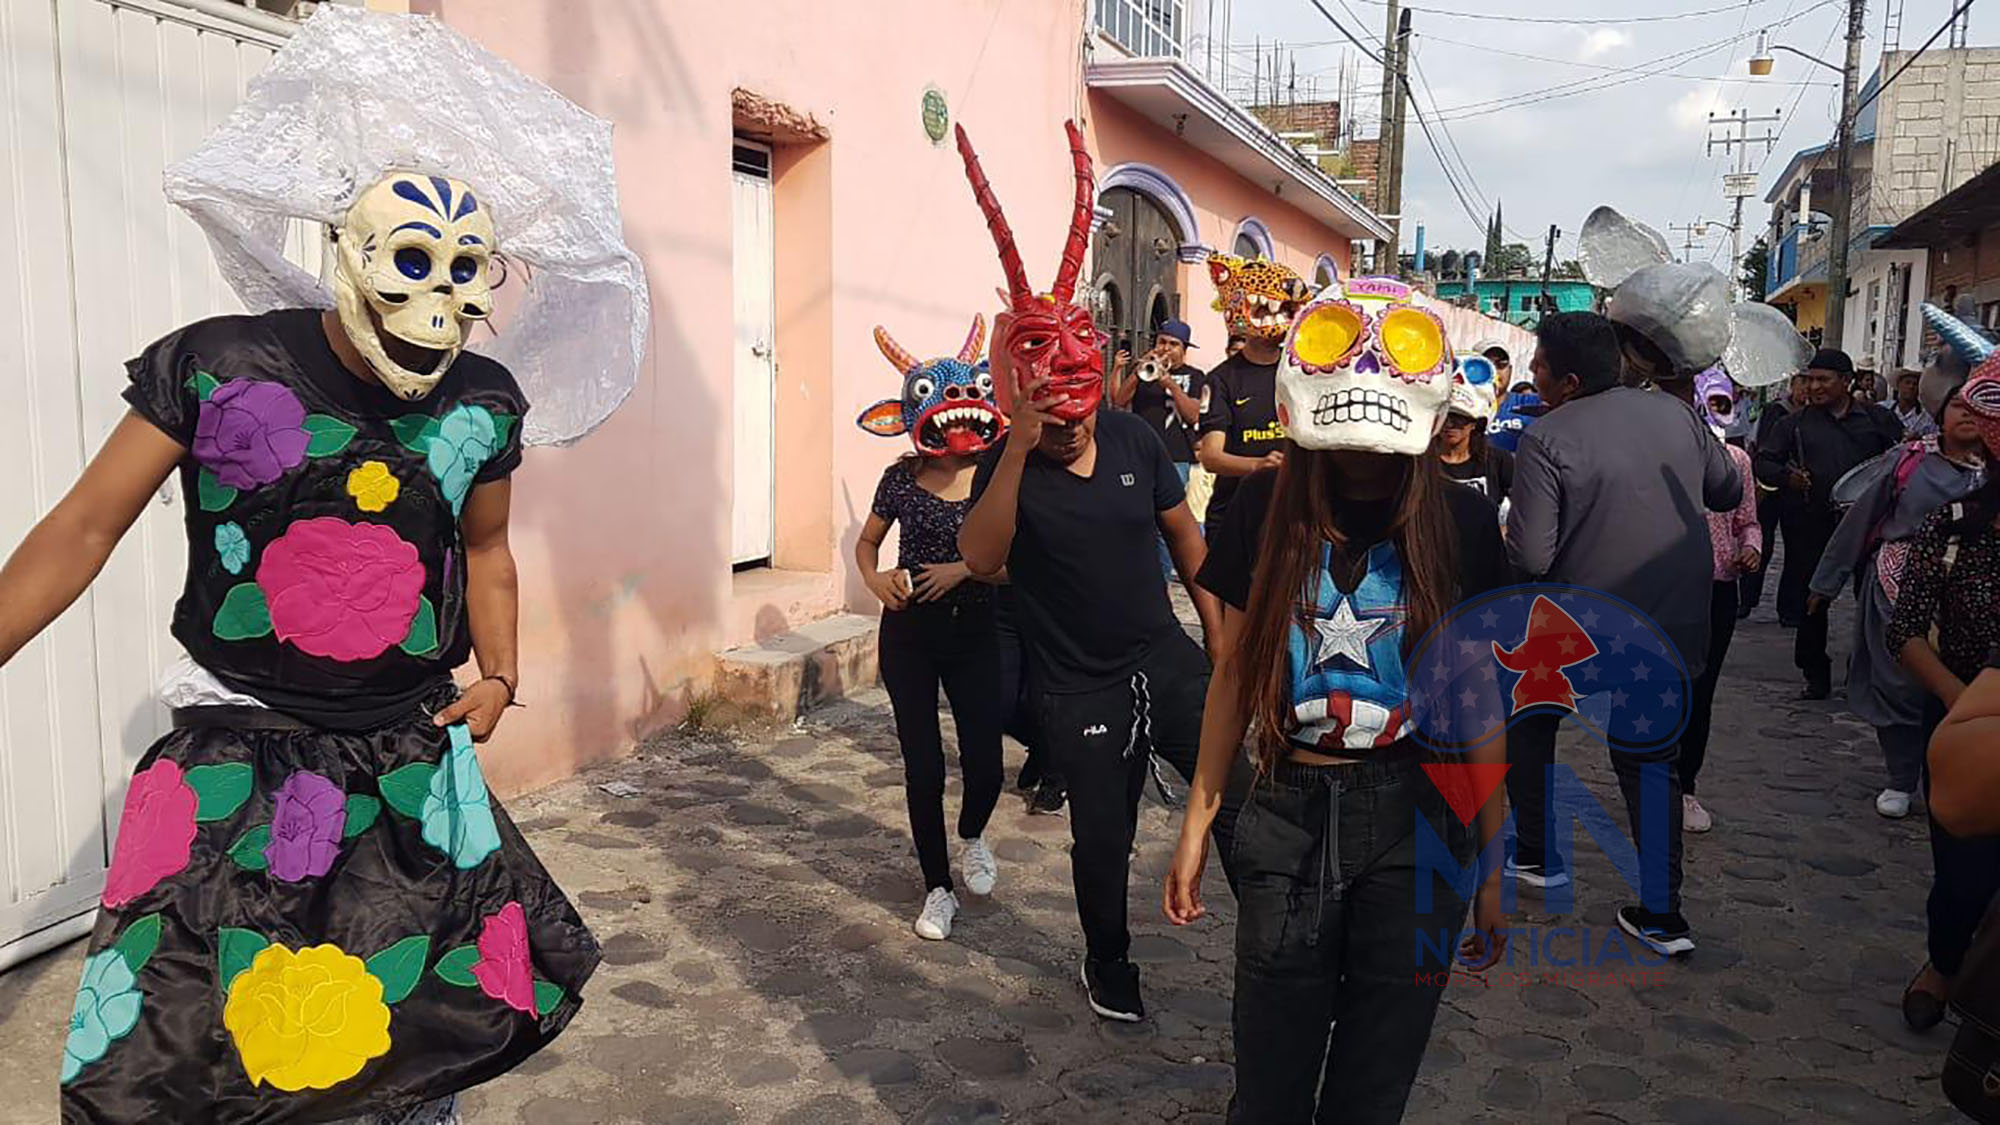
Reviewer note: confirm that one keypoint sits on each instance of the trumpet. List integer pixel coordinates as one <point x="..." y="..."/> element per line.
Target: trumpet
<point x="1150" y="370"/>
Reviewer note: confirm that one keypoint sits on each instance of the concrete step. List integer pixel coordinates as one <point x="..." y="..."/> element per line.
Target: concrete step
<point x="785" y="675"/>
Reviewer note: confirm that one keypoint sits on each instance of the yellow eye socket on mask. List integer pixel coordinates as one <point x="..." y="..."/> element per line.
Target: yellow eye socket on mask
<point x="1413" y="340"/>
<point x="1328" y="335"/>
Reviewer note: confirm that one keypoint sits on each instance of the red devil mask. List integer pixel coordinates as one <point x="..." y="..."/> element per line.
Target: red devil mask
<point x="1051" y="336"/>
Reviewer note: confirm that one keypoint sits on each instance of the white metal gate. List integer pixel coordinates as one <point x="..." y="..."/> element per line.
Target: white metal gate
<point x="96" y="97"/>
<point x="753" y="510"/>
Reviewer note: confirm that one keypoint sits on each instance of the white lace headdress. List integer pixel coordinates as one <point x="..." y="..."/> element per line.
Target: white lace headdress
<point x="356" y="94"/>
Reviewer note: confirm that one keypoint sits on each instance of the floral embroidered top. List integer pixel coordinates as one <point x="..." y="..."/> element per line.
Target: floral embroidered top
<point x="325" y="571"/>
<point x="1731" y="531"/>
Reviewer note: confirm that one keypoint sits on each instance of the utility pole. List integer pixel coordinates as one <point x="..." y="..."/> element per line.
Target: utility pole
<point x="1549" y="265"/>
<point x="1693" y="231"/>
<point x="1843" y="181"/>
<point x="1742" y="183"/>
<point x="1395" y="71"/>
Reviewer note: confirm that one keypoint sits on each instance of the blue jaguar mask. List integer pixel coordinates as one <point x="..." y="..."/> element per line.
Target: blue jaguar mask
<point x="947" y="406"/>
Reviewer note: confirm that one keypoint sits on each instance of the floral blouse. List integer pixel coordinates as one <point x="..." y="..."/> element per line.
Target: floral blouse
<point x="325" y="572"/>
<point x="1729" y="532"/>
<point x="1961" y="600"/>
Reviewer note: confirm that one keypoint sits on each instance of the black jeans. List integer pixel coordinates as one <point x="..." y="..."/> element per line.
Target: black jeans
<point x="1019" y="721"/>
<point x="1806" y="533"/>
<point x="1965" y="875"/>
<point x="952" y="644"/>
<point x="1721" y="627"/>
<point x="1331" y="940"/>
<point x="1531" y="750"/>
<point x="1101" y="741"/>
<point x="1751" y="585"/>
<point x="1903" y="749"/>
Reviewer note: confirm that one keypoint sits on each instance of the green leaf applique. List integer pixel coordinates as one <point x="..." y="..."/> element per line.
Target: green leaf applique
<point x="329" y="435"/>
<point x="213" y="494"/>
<point x="361" y="813"/>
<point x="548" y="997"/>
<point x="405" y="789"/>
<point x="423" y="637"/>
<point x="244" y="615"/>
<point x="248" y="852"/>
<point x="203" y="385"/>
<point x="455" y="967"/>
<point x="415" y="431"/>
<point x="137" y="943"/>
<point x="503" y="425"/>
<point x="400" y="967"/>
<point x="234" y="950"/>
<point x="221" y="789"/>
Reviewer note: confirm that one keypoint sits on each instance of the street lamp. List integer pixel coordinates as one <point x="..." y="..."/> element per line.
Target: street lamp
<point x="1843" y="187"/>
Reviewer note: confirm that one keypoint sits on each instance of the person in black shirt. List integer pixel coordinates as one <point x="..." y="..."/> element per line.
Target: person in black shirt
<point x="1240" y="433"/>
<point x="1463" y="449"/>
<point x="1808" y="452"/>
<point x="1751" y="585"/>
<point x="1071" y="510"/>
<point x="1170" y="402"/>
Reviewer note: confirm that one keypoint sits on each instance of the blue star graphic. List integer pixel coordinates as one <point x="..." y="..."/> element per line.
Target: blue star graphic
<point x="1589" y="619"/>
<point x="1641" y="671"/>
<point x="1490" y="619"/>
<point x="1590" y="672"/>
<point x="1618" y="699"/>
<point x="1670" y="699"/>
<point x="1642" y="725"/>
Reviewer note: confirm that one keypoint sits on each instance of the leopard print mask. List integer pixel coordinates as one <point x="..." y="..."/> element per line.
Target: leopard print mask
<point x="1257" y="298"/>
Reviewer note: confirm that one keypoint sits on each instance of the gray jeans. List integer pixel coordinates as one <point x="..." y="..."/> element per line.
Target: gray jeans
<point x="443" y="1111"/>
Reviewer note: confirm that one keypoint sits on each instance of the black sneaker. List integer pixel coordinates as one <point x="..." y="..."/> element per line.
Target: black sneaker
<point x="1666" y="934"/>
<point x="1113" y="989"/>
<point x="1031" y="775"/>
<point x="1817" y="687"/>
<point x="1049" y="799"/>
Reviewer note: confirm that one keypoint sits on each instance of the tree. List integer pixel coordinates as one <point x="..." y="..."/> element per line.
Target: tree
<point x="1511" y="259"/>
<point x="1448" y="266"/>
<point x="1569" y="269"/>
<point x="1493" y="237"/>
<point x="1757" y="269"/>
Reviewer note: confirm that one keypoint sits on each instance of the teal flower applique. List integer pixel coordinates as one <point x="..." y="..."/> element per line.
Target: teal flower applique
<point x="457" y="812"/>
<point x="466" y="436"/>
<point x="107" y="1009"/>
<point x="232" y="547"/>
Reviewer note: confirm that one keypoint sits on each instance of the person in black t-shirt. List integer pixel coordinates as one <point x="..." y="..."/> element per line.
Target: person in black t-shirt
<point x="1071" y="511"/>
<point x="1240" y="433"/>
<point x="1170" y="402"/>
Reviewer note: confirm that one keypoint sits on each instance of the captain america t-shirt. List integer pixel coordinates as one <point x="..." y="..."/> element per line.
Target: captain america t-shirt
<point x="1348" y="644"/>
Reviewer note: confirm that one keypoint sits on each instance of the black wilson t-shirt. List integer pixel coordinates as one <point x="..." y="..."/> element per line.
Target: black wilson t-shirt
<point x="1243" y="408"/>
<point x="1085" y="563"/>
<point x="1346" y="647"/>
<point x="326" y="576"/>
<point x="1152" y="402"/>
<point x="1494" y="477"/>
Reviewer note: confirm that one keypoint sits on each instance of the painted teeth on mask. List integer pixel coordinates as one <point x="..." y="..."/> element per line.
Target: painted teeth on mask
<point x="1362" y="405"/>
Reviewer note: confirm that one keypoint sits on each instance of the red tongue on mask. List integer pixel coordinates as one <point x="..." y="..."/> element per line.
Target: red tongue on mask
<point x="961" y="440"/>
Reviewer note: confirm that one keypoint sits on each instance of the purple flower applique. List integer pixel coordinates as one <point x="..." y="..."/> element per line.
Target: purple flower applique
<point x="250" y="433"/>
<point x="306" y="827"/>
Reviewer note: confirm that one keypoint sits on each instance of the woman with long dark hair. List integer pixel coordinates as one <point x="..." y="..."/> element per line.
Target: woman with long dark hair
<point x="1331" y="568"/>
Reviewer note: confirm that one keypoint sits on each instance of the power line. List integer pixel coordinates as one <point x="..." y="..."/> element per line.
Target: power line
<point x="1739" y="37"/>
<point x="1578" y="22"/>
<point x="1342" y="28"/>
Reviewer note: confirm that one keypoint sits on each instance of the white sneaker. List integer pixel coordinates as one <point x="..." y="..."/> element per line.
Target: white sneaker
<point x="1694" y="818"/>
<point x="978" y="867"/>
<point x="940" y="907"/>
<point x="1893" y="803"/>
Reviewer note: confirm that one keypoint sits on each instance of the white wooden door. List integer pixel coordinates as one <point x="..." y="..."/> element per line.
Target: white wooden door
<point x="94" y="263"/>
<point x="754" y="508"/>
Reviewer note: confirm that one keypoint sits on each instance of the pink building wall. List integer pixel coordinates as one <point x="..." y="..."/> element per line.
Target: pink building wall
<point x="623" y="540"/>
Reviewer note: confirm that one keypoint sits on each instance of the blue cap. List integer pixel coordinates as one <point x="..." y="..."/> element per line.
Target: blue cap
<point x="1179" y="330"/>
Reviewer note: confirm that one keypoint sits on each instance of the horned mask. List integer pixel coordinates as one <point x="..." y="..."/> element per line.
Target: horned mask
<point x="1050" y="335"/>
<point x="1981" y="391"/>
<point x="947" y="405"/>
<point x="411" y="279"/>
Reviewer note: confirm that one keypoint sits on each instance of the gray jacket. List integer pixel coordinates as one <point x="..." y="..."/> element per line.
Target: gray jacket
<point x="1612" y="492"/>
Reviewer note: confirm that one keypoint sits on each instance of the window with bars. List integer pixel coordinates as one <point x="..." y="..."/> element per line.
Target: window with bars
<point x="1147" y="28"/>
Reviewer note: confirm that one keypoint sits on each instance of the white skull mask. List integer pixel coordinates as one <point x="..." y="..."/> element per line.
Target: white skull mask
<point x="411" y="277"/>
<point x="1365" y="370"/>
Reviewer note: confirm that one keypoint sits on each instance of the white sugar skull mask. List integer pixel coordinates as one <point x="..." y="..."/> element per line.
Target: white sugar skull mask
<point x="411" y="277"/>
<point x="1364" y="369"/>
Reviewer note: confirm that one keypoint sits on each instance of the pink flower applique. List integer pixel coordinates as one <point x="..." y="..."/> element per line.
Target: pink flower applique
<point x="503" y="970"/>
<point x="154" y="833"/>
<point x="345" y="591"/>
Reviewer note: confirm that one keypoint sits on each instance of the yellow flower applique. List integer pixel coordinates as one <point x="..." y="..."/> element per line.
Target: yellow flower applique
<point x="306" y="1020"/>
<point x="373" y="486"/>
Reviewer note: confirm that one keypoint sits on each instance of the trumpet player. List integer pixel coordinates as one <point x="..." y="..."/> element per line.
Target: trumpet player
<point x="1166" y="391"/>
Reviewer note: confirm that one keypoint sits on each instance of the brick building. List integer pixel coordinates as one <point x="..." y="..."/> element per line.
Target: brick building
<point x="1960" y="236"/>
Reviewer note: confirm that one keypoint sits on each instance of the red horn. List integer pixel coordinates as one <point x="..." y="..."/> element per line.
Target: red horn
<point x="1018" y="290"/>
<point x="974" y="341"/>
<point x="1079" y="226"/>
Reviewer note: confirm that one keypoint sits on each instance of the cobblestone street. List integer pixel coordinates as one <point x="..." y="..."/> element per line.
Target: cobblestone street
<point x="754" y="902"/>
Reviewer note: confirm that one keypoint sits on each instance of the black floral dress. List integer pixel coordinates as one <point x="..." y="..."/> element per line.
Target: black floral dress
<point x="315" y="909"/>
